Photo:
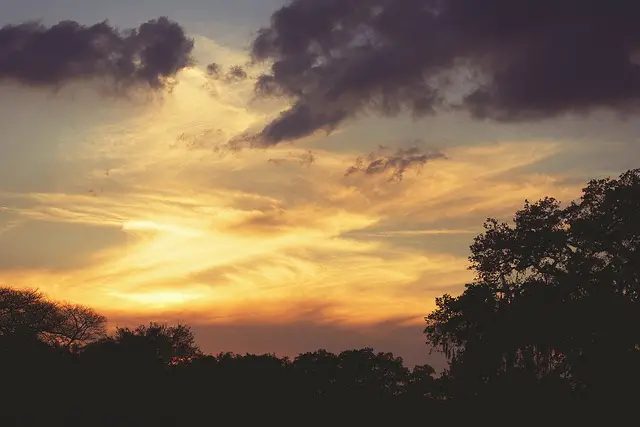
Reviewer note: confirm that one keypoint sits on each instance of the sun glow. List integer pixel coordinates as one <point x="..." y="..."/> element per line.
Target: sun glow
<point x="169" y="228"/>
<point x="161" y="221"/>
<point x="159" y="299"/>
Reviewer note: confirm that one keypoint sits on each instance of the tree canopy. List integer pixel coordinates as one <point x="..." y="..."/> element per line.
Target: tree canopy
<point x="28" y="315"/>
<point x="555" y="298"/>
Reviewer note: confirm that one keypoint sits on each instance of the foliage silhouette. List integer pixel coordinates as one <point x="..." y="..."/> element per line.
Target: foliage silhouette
<point x="553" y="310"/>
<point x="549" y="327"/>
<point x="28" y="315"/>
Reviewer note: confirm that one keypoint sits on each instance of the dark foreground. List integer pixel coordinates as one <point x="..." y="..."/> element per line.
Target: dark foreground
<point x="547" y="334"/>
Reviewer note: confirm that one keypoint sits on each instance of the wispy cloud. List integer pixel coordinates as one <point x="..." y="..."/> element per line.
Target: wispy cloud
<point x="434" y="232"/>
<point x="221" y="247"/>
<point x="218" y="236"/>
<point x="394" y="164"/>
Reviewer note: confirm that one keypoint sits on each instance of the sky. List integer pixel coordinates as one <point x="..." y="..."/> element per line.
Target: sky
<point x="328" y="213"/>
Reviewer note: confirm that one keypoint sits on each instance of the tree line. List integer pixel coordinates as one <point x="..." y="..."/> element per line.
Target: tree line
<point x="549" y="326"/>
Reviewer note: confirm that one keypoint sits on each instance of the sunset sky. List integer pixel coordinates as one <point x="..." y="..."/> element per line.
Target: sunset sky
<point x="137" y="207"/>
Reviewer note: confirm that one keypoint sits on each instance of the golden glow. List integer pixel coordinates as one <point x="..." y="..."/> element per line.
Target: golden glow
<point x="159" y="299"/>
<point x="233" y="236"/>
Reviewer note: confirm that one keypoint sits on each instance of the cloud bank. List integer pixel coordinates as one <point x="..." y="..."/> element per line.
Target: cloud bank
<point x="35" y="55"/>
<point x="504" y="60"/>
<point x="508" y="60"/>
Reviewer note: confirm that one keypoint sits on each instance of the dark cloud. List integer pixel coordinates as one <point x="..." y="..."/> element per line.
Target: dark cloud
<point x="505" y="60"/>
<point x="299" y="121"/>
<point x="236" y="73"/>
<point x="151" y="55"/>
<point x="214" y="70"/>
<point x="396" y="164"/>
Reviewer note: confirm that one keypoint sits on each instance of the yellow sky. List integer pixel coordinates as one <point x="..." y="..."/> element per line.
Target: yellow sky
<point x="131" y="211"/>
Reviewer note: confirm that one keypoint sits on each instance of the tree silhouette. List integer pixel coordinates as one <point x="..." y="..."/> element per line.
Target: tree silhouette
<point x="28" y="316"/>
<point x="147" y="344"/>
<point x="549" y="326"/>
<point x="555" y="299"/>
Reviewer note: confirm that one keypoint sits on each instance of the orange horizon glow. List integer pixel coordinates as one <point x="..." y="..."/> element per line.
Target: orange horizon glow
<point x="187" y="232"/>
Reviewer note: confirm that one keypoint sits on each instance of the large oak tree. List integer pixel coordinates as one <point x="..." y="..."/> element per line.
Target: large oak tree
<point x="555" y="298"/>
